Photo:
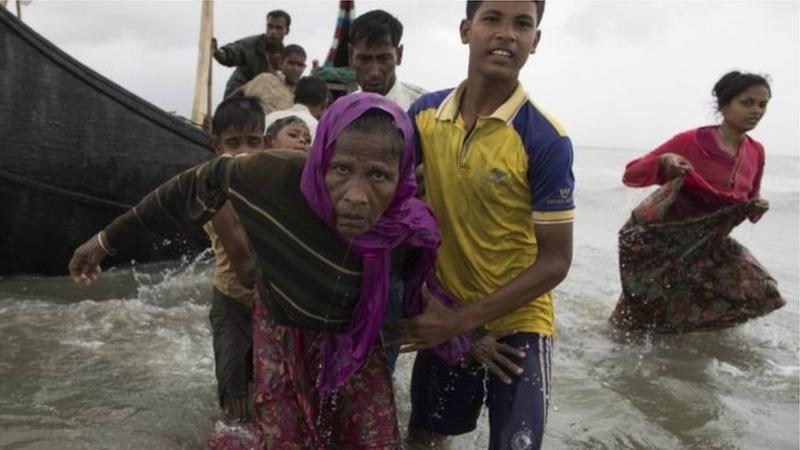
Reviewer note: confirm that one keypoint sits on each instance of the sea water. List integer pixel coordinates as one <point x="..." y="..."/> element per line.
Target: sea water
<point x="128" y="363"/>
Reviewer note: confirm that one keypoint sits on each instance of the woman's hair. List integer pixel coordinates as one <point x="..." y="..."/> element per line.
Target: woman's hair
<point x="734" y="83"/>
<point x="276" y="127"/>
<point x="376" y="121"/>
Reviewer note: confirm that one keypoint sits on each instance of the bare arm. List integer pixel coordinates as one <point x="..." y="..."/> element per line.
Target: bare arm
<point x="237" y="245"/>
<point x="182" y="203"/>
<point x="438" y="324"/>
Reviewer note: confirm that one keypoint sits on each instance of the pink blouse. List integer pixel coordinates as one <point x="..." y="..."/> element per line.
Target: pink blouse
<point x="718" y="179"/>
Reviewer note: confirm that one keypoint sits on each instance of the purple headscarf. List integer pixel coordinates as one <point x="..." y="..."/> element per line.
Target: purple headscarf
<point x="407" y="221"/>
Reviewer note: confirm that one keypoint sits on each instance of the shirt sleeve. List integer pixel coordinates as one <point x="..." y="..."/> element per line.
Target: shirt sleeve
<point x="756" y="192"/>
<point x="552" y="183"/>
<point x="413" y="110"/>
<point x="234" y="53"/>
<point x="183" y="203"/>
<point x="644" y="171"/>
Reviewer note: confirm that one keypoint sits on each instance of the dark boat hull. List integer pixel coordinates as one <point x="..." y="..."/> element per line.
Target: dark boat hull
<point x="76" y="150"/>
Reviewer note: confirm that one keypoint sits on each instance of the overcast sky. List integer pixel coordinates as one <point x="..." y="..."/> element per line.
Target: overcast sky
<point x="626" y="74"/>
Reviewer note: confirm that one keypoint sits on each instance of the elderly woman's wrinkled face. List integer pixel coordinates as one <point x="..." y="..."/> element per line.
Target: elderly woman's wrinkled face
<point x="361" y="179"/>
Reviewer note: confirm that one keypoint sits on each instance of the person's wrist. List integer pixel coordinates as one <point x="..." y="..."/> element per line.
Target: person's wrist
<point x="105" y="247"/>
<point x="662" y="162"/>
<point x="465" y="322"/>
<point x="477" y="334"/>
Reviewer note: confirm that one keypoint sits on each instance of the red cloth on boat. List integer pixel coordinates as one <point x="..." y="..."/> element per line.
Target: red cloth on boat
<point x="718" y="180"/>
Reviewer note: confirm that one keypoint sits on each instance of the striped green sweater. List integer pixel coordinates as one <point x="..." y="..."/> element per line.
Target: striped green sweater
<point x="307" y="275"/>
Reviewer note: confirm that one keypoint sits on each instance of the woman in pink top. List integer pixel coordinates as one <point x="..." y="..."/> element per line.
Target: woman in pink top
<point x="680" y="270"/>
<point x="722" y="164"/>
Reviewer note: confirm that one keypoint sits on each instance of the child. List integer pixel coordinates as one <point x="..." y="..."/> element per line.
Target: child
<point x="237" y="128"/>
<point x="288" y="132"/>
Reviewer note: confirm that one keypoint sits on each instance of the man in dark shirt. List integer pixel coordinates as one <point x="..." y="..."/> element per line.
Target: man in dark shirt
<point x="252" y="55"/>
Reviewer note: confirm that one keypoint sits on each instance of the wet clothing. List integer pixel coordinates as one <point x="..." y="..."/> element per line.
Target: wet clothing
<point x="225" y="279"/>
<point x="718" y="179"/>
<point x="394" y="312"/>
<point x="230" y="316"/>
<point x="406" y="221"/>
<point x="514" y="165"/>
<point x="404" y="95"/>
<point x="362" y="414"/>
<point x="271" y="91"/>
<point x="233" y="346"/>
<point x="682" y="275"/>
<point x="291" y="413"/>
<point x="249" y="56"/>
<point x="448" y="399"/>
<point x="311" y="278"/>
<point x="487" y="187"/>
<point x="680" y="270"/>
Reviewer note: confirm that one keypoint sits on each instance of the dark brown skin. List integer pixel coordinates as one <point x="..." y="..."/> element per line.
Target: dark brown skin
<point x="438" y="324"/>
<point x="294" y="135"/>
<point x="375" y="64"/>
<point x="361" y="180"/>
<point x="277" y="29"/>
<point x="292" y="66"/>
<point x="501" y="36"/>
<point x="506" y="27"/>
<point x="226" y="222"/>
<point x="84" y="267"/>
<point x="237" y="245"/>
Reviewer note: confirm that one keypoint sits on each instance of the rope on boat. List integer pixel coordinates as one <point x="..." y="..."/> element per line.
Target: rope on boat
<point x="83" y="198"/>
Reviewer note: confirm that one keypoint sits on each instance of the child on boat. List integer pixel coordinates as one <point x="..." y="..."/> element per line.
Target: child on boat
<point x="288" y="132"/>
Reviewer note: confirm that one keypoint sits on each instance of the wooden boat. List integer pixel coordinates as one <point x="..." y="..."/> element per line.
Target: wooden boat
<point x="76" y="150"/>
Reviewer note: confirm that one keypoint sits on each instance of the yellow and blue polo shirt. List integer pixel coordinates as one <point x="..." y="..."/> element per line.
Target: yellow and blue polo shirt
<point x="487" y="187"/>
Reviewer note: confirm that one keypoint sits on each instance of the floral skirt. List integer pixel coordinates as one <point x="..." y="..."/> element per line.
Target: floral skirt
<point x="688" y="275"/>
<point x="289" y="412"/>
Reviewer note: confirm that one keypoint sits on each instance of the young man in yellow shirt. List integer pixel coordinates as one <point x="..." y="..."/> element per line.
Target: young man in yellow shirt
<point x="498" y="176"/>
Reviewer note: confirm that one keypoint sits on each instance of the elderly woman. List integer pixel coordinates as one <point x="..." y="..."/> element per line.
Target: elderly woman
<point x="327" y="230"/>
<point x="680" y="270"/>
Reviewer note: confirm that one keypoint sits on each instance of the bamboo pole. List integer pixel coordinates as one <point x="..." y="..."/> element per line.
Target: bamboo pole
<point x="202" y="91"/>
<point x="209" y="91"/>
<point x="19" y="10"/>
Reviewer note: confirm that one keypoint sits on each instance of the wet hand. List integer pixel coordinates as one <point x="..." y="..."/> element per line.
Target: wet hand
<point x="84" y="267"/>
<point x="494" y="355"/>
<point x="437" y="324"/>
<point x="673" y="166"/>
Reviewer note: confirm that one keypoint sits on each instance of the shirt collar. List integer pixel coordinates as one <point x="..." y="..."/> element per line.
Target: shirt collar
<point x="449" y="109"/>
<point x="392" y="90"/>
